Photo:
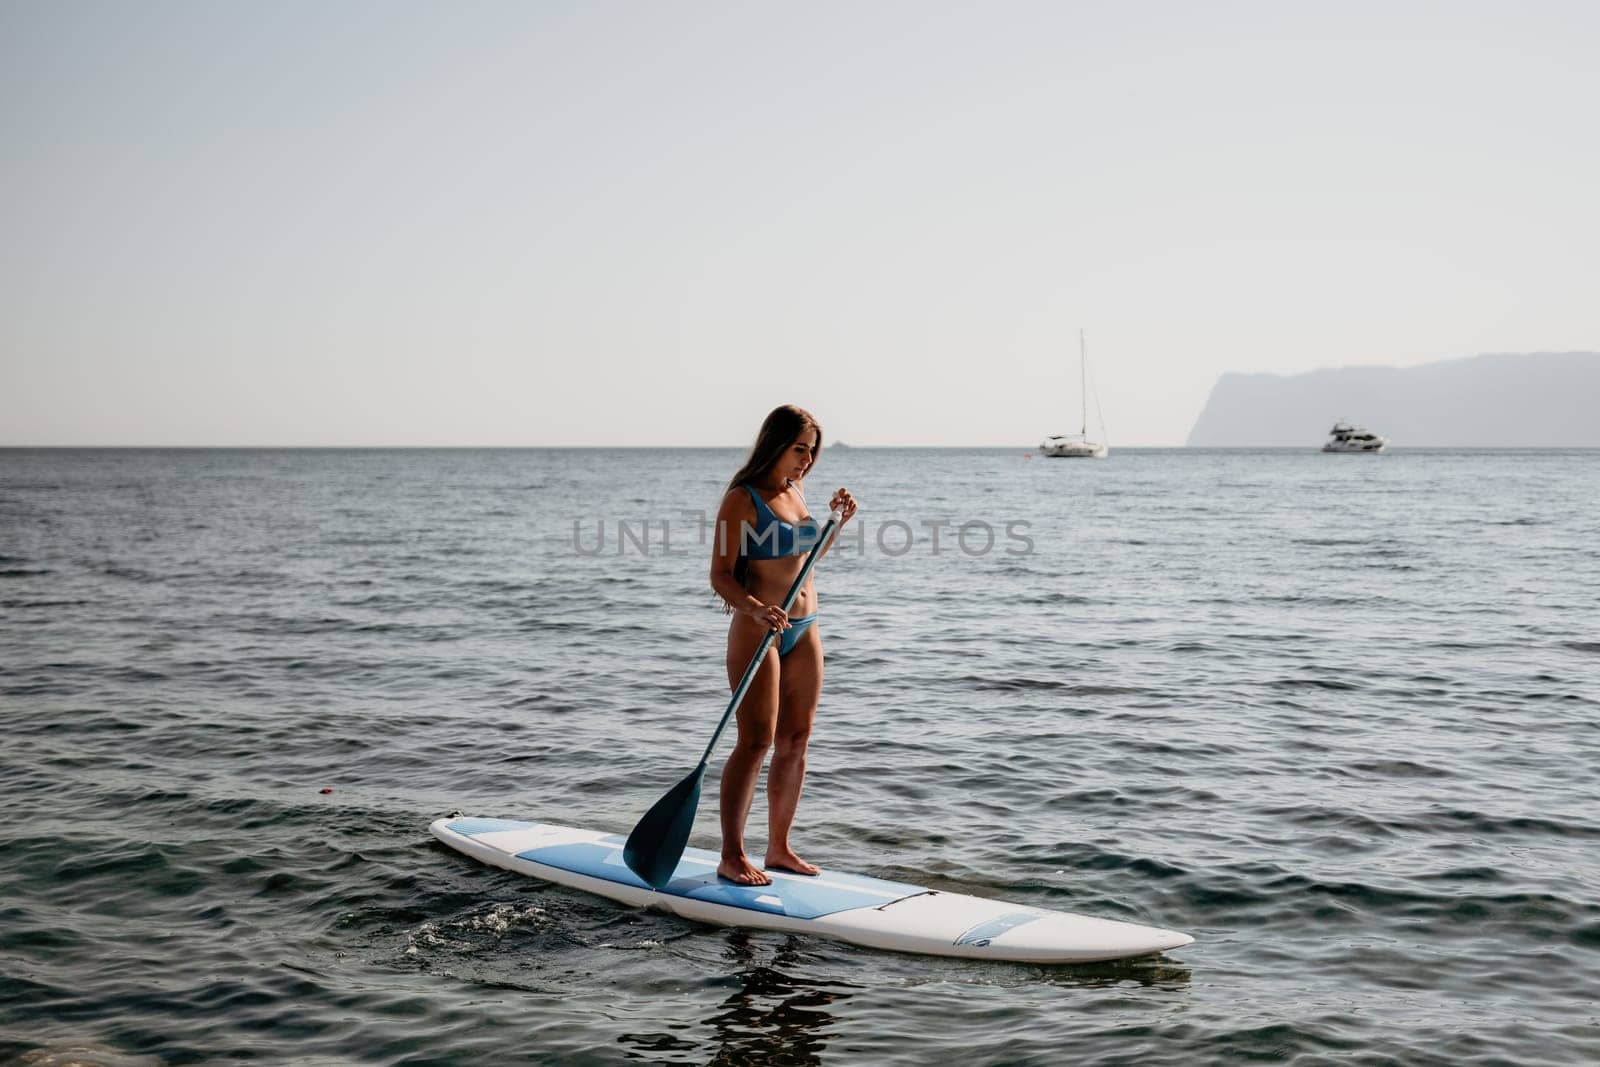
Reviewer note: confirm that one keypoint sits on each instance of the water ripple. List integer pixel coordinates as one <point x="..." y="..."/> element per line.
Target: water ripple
<point x="1355" y="759"/>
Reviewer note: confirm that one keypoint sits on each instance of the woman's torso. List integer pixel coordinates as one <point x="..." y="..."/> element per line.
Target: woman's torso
<point x="768" y="580"/>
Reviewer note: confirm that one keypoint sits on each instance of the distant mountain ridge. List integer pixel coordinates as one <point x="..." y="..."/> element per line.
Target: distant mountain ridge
<point x="1540" y="399"/>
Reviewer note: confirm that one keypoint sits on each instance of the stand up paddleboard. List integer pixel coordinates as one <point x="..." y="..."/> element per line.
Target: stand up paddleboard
<point x="847" y="907"/>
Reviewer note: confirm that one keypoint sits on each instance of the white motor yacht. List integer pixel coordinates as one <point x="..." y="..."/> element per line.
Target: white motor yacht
<point x="1348" y="438"/>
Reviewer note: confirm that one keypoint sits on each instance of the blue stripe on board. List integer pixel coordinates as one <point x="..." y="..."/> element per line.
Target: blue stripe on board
<point x="696" y="878"/>
<point x="473" y="827"/>
<point x="597" y="859"/>
<point x="985" y="932"/>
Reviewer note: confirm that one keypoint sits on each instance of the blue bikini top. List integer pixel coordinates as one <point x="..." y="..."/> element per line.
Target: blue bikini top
<point x="773" y="538"/>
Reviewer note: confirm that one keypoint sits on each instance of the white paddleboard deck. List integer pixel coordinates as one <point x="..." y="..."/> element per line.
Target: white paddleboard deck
<point x="848" y="907"/>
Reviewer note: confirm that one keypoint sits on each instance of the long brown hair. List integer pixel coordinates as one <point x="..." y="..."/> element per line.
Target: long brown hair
<point x="779" y="430"/>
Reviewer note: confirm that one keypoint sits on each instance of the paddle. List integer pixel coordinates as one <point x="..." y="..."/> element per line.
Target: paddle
<point x="656" y="844"/>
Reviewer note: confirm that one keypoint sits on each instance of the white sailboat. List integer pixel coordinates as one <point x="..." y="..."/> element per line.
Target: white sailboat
<point x="1077" y="445"/>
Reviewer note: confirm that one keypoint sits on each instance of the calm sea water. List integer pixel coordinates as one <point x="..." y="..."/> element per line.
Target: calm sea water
<point x="1337" y="716"/>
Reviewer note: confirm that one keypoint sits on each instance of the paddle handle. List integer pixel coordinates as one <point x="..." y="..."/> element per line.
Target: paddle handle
<point x="832" y="526"/>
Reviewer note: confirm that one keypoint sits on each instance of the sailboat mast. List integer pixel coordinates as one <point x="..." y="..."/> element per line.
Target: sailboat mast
<point x="1083" y="388"/>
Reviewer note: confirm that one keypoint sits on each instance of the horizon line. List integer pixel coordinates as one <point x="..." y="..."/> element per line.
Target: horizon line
<point x="718" y="448"/>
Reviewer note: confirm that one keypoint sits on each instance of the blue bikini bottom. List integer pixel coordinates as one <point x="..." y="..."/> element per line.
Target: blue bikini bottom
<point x="787" y="639"/>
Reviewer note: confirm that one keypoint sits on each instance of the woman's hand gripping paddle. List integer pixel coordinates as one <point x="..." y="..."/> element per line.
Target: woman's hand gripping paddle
<point x="656" y="844"/>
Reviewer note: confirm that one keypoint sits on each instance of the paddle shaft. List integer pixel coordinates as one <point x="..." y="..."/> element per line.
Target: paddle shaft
<point x="772" y="635"/>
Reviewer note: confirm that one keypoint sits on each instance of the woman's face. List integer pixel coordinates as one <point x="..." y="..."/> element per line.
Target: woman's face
<point x="797" y="461"/>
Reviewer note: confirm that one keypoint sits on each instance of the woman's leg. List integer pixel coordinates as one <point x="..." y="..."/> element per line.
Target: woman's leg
<point x="799" y="688"/>
<point x="758" y="712"/>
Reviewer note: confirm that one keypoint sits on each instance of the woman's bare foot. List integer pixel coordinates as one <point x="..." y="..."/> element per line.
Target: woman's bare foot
<point x="786" y="860"/>
<point x="742" y="872"/>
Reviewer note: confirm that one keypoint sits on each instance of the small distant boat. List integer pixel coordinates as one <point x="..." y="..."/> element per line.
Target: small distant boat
<point x="1072" y="446"/>
<point x="1348" y="438"/>
<point x="1077" y="445"/>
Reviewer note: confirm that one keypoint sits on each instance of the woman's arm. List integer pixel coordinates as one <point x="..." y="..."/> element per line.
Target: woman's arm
<point x="846" y="505"/>
<point x="736" y="510"/>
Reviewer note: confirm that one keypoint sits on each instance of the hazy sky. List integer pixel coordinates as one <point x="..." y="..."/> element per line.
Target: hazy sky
<point x="647" y="223"/>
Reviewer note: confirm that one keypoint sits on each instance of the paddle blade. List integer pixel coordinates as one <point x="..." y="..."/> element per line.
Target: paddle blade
<point x="656" y="844"/>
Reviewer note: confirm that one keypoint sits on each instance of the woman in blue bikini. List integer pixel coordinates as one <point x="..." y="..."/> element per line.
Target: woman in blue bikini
<point x="763" y="535"/>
